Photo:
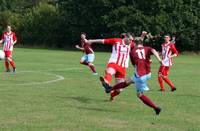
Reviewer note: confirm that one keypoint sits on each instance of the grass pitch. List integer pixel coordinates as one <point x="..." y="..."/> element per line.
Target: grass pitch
<point x="52" y="91"/>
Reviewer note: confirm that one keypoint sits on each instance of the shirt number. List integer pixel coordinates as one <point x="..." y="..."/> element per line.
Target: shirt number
<point x="141" y="53"/>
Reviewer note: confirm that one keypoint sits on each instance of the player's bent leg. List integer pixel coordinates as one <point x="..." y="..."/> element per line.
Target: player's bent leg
<point x="105" y="85"/>
<point x="149" y="103"/>
<point x="160" y="81"/>
<point x="166" y="79"/>
<point x="122" y="85"/>
<point x="84" y="62"/>
<point x="7" y="65"/>
<point x="105" y="81"/>
<point x="12" y="64"/>
<point x="92" y="68"/>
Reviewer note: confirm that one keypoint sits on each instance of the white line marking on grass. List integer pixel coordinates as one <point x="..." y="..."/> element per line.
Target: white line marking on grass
<point x="58" y="78"/>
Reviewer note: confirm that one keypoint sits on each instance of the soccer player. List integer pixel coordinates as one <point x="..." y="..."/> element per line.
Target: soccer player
<point x="9" y="39"/>
<point x="168" y="52"/>
<point x="118" y="61"/>
<point x="140" y="58"/>
<point x="88" y="58"/>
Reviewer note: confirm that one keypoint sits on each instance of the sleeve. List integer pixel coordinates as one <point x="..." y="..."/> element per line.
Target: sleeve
<point x="2" y="37"/>
<point x="111" y="41"/>
<point x="14" y="37"/>
<point x="174" y="50"/>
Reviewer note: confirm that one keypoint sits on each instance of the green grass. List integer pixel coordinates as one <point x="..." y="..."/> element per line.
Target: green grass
<point x="78" y="103"/>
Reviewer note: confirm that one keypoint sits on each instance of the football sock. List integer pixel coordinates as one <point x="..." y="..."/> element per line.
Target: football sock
<point x="161" y="82"/>
<point x="12" y="64"/>
<point x="108" y="78"/>
<point x="147" y="101"/>
<point x="7" y="65"/>
<point x="114" y="93"/>
<point x="92" y="68"/>
<point x="119" y="86"/>
<point x="166" y="79"/>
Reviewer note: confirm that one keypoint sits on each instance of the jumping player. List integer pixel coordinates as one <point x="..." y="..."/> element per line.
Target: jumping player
<point x="88" y="58"/>
<point x="9" y="39"/>
<point x="168" y="52"/>
<point x="140" y="57"/>
<point x="118" y="61"/>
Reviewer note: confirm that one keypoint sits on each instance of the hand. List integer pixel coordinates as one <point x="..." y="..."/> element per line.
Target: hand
<point x="77" y="46"/>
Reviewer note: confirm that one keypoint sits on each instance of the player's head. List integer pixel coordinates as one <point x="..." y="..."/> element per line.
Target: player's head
<point x="8" y="28"/>
<point x="123" y="35"/>
<point x="138" y="41"/>
<point x="127" y="41"/>
<point x="167" y="38"/>
<point x="129" y="35"/>
<point x="83" y="35"/>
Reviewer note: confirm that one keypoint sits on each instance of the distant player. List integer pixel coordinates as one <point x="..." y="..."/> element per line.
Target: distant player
<point x="9" y="39"/>
<point x="168" y="52"/>
<point x="88" y="57"/>
<point x="118" y="61"/>
<point x="140" y="58"/>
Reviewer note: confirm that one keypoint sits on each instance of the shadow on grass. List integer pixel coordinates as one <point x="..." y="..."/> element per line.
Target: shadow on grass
<point x="87" y="101"/>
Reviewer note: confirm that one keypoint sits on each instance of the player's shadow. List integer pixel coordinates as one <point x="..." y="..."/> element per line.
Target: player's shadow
<point x="87" y="101"/>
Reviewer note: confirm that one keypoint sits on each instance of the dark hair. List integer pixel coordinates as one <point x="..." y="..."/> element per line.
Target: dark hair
<point x="123" y="35"/>
<point x="138" y="40"/>
<point x="83" y="33"/>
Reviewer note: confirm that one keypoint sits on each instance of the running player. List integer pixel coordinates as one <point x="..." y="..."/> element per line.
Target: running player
<point x="88" y="57"/>
<point x="9" y="39"/>
<point x="118" y="61"/>
<point x="140" y="57"/>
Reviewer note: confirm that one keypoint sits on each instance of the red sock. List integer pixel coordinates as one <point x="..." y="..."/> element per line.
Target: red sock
<point x="84" y="63"/>
<point x="12" y="64"/>
<point x="114" y="93"/>
<point x="147" y="101"/>
<point x="119" y="86"/>
<point x="7" y="65"/>
<point x="108" y="78"/>
<point x="168" y="82"/>
<point x="92" y="68"/>
<point x="161" y="82"/>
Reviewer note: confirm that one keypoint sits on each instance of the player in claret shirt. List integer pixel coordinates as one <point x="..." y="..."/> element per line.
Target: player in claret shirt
<point x="88" y="57"/>
<point x="168" y="52"/>
<point x="118" y="61"/>
<point x="140" y="58"/>
<point x="9" y="39"/>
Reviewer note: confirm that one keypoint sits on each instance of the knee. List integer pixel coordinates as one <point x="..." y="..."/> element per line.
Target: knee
<point x="139" y="95"/>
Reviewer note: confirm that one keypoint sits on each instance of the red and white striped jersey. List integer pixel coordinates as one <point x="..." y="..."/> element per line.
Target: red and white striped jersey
<point x="167" y="50"/>
<point x="120" y="52"/>
<point x="8" y="39"/>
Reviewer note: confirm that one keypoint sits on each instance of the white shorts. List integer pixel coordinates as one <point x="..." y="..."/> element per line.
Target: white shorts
<point x="141" y="82"/>
<point x="88" y="58"/>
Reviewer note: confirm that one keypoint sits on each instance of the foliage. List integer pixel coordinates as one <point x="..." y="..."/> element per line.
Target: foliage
<point x="61" y="21"/>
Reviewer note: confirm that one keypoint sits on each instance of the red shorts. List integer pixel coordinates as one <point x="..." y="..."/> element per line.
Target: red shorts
<point x="163" y="70"/>
<point x="8" y="53"/>
<point x="120" y="72"/>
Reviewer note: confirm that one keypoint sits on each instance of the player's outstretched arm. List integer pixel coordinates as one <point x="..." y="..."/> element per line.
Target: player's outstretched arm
<point x="1" y="41"/>
<point x="156" y="54"/>
<point x="101" y="41"/>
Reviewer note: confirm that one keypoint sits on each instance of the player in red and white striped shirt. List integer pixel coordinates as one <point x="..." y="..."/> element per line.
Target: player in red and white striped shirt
<point x="9" y="39"/>
<point x="168" y="52"/>
<point x="118" y="61"/>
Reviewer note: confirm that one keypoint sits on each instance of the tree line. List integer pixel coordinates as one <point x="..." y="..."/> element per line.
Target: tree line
<point x="58" y="23"/>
